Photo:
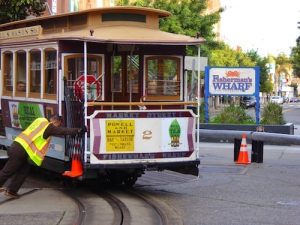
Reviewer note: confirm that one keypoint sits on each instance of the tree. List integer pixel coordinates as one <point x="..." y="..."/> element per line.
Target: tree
<point x="283" y="68"/>
<point x="295" y="60"/>
<point x="188" y="18"/>
<point x="226" y="56"/>
<point x="266" y="84"/>
<point x="11" y="10"/>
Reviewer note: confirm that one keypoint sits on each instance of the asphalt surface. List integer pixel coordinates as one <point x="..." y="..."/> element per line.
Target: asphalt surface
<point x="224" y="193"/>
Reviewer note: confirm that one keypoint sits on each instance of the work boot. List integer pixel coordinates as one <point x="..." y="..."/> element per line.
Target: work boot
<point x="11" y="194"/>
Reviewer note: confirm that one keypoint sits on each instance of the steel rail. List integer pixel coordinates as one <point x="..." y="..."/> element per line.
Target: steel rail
<point x="80" y="219"/>
<point x="272" y="138"/>
<point x="120" y="210"/>
<point x="167" y="214"/>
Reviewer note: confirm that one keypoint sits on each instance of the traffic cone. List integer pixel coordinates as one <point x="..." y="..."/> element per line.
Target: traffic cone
<point x="76" y="167"/>
<point x="243" y="155"/>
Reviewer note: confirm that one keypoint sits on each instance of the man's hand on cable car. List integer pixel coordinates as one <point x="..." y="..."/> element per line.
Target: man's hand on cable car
<point x="82" y="130"/>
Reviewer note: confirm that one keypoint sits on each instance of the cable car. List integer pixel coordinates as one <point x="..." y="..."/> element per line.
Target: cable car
<point x="112" y="70"/>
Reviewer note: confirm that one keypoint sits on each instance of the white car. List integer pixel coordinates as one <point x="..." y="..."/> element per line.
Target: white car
<point x="276" y="99"/>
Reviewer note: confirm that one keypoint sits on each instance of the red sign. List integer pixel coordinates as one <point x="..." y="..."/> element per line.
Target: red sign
<point x="93" y="87"/>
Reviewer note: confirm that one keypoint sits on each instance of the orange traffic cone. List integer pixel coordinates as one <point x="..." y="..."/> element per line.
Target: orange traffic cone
<point x="76" y="167"/>
<point x="243" y="155"/>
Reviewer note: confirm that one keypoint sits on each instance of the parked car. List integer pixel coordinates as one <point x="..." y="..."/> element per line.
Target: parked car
<point x="276" y="99"/>
<point x="248" y="101"/>
<point x="294" y="99"/>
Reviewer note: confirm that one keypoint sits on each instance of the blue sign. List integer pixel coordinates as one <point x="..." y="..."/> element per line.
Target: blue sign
<point x="232" y="81"/>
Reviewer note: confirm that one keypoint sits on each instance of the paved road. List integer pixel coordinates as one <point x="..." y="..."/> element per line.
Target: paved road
<point x="224" y="193"/>
<point x="228" y="194"/>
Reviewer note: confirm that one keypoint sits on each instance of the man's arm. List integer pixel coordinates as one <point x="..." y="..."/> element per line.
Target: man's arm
<point x="53" y="130"/>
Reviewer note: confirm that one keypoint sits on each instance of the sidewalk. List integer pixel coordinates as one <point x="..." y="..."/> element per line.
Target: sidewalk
<point x="38" y="207"/>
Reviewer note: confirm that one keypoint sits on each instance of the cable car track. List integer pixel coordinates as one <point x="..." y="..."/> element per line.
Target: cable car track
<point x="97" y="204"/>
<point x="120" y="210"/>
<point x="127" y="207"/>
<point x="81" y="213"/>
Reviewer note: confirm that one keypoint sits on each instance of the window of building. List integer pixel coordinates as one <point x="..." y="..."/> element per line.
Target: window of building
<point x="163" y="78"/>
<point x="50" y="73"/>
<point x="20" y="79"/>
<point x="35" y="73"/>
<point x="7" y="73"/>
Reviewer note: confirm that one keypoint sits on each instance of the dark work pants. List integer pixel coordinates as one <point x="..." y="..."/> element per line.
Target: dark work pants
<point x="16" y="168"/>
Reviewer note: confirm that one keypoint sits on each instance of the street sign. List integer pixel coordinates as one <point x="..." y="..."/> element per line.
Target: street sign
<point x="191" y="63"/>
<point x="93" y="87"/>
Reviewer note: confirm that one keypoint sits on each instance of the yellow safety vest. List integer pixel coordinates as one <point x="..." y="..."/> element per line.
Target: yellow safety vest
<point x="33" y="142"/>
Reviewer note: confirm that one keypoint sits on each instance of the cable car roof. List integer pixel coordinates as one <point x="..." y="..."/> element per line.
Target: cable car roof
<point x="127" y="35"/>
<point x="96" y="29"/>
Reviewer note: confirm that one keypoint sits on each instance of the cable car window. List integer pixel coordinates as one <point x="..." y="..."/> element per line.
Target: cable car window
<point x="116" y="78"/>
<point x="133" y="74"/>
<point x="50" y="72"/>
<point x="21" y="73"/>
<point x="74" y="68"/>
<point x="163" y="78"/>
<point x="35" y="72"/>
<point x="7" y="73"/>
<point x="134" y="17"/>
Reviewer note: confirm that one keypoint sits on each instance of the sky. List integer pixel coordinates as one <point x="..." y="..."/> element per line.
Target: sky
<point x="268" y="26"/>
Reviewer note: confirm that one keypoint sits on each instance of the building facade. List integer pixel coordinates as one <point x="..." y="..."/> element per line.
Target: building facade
<point x="64" y="6"/>
<point x="214" y="6"/>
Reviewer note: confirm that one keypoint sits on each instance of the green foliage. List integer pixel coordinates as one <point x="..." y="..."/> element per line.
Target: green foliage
<point x="272" y="114"/>
<point x="188" y="18"/>
<point x="295" y="60"/>
<point x="11" y="10"/>
<point x="233" y="115"/>
<point x="223" y="57"/>
<point x="266" y="84"/>
<point x="282" y="59"/>
<point x="226" y="56"/>
<point x="202" y="112"/>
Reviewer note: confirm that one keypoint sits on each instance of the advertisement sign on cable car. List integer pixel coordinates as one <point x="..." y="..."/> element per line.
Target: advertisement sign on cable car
<point x="93" y="87"/>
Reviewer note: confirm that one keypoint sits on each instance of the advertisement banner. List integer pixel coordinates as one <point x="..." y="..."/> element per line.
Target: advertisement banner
<point x="22" y="113"/>
<point x="129" y="138"/>
<point x="119" y="135"/>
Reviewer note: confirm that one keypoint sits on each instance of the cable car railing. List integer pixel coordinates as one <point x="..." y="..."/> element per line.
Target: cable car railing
<point x="74" y="118"/>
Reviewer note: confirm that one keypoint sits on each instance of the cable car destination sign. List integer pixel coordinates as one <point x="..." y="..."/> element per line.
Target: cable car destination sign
<point x="232" y="81"/>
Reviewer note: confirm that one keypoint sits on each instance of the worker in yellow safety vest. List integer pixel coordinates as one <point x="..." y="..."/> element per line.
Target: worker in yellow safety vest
<point x="33" y="144"/>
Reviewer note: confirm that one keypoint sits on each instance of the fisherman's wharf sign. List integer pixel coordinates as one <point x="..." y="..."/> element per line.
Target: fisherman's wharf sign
<point x="231" y="81"/>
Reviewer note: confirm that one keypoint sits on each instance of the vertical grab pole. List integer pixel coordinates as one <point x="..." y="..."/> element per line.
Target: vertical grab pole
<point x="186" y="97"/>
<point x="85" y="100"/>
<point x="198" y="105"/>
<point x="60" y="87"/>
